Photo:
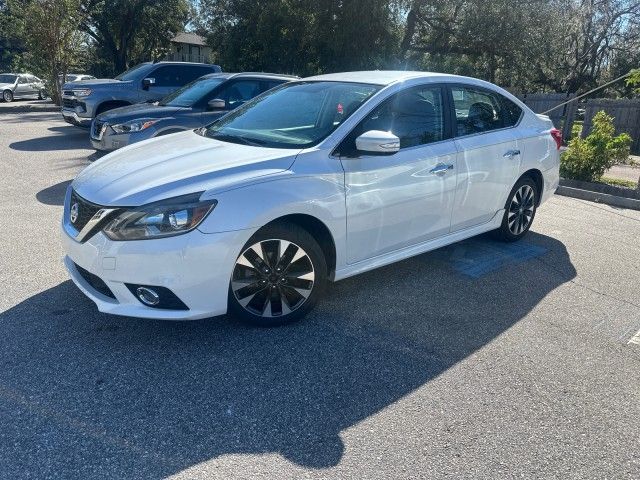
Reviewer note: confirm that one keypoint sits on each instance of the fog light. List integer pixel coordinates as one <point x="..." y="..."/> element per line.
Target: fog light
<point x="147" y="296"/>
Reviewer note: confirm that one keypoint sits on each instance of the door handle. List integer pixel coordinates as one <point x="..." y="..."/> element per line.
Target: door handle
<point x="511" y="153"/>
<point x="441" y="168"/>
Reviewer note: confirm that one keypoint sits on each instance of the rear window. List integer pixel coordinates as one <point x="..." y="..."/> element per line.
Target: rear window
<point x="4" y="78"/>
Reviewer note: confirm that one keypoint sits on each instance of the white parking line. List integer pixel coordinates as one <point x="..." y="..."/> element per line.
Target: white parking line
<point x="635" y="339"/>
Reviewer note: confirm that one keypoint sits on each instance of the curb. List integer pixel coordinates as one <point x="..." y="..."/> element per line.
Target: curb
<point x="598" y="197"/>
<point x="29" y="108"/>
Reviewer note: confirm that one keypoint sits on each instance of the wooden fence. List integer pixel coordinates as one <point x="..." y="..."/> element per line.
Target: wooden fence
<point x="561" y="117"/>
<point x="626" y="117"/>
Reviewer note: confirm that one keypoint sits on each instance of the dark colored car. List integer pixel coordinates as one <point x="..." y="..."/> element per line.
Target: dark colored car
<point x="192" y="106"/>
<point x="83" y="100"/>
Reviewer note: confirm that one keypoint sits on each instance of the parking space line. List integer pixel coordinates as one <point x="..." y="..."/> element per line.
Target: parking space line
<point x="635" y="339"/>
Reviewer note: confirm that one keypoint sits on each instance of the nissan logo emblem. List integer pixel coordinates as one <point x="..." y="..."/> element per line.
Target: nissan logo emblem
<point x="73" y="213"/>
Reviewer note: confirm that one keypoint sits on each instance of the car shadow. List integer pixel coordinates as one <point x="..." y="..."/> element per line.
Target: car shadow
<point x="53" y="195"/>
<point x="136" y="398"/>
<point x="63" y="138"/>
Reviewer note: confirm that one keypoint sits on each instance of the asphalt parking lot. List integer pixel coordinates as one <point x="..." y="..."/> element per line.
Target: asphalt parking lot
<point x="478" y="360"/>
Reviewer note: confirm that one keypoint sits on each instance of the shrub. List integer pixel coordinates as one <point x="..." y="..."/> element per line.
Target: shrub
<point x="588" y="158"/>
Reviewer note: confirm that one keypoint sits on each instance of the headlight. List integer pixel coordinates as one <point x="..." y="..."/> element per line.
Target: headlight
<point x="82" y="92"/>
<point x="134" y="125"/>
<point x="166" y="218"/>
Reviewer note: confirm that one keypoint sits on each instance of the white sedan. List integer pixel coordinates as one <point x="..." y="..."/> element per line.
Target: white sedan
<point x="314" y="181"/>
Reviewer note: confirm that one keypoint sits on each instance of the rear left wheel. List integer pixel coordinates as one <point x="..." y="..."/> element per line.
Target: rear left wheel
<point x="520" y="210"/>
<point x="278" y="277"/>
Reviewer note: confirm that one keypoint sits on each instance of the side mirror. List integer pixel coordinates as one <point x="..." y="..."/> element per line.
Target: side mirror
<point x="217" y="104"/>
<point x="378" y="142"/>
<point x="147" y="82"/>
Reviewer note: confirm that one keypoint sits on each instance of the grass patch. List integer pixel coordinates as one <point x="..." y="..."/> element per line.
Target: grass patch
<point x="618" y="182"/>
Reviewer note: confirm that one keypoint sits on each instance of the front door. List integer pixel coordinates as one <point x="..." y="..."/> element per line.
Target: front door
<point x="403" y="199"/>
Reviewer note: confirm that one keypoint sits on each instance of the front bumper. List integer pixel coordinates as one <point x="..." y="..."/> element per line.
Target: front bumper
<point x="195" y="266"/>
<point x="72" y="117"/>
<point x="107" y="140"/>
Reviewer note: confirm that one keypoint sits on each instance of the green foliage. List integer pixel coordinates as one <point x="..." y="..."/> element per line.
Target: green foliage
<point x="127" y="32"/>
<point x="301" y="36"/>
<point x="633" y="80"/>
<point x="619" y="182"/>
<point x="588" y="158"/>
<point x="49" y="29"/>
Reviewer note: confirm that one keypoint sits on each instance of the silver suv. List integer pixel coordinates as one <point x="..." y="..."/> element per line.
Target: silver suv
<point x="82" y="101"/>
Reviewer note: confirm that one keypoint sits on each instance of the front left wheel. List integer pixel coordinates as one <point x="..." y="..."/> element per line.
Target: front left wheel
<point x="7" y="96"/>
<point x="278" y="277"/>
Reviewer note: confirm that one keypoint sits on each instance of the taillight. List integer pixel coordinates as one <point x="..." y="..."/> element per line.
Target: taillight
<point x="557" y="136"/>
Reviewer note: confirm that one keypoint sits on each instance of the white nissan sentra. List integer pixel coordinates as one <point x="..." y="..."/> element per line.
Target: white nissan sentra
<point x="316" y="180"/>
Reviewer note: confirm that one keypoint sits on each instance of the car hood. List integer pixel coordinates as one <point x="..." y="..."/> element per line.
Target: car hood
<point x="139" y="110"/>
<point x="100" y="82"/>
<point x="175" y="165"/>
<point x="6" y="85"/>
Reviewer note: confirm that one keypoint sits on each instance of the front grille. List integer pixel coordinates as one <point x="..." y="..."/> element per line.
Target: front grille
<point x="86" y="211"/>
<point x="95" y="281"/>
<point x="68" y="93"/>
<point x="69" y="102"/>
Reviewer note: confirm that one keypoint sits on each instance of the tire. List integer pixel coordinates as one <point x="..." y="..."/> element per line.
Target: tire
<point x="7" y="96"/>
<point x="518" y="217"/>
<point x="261" y="295"/>
<point x="42" y="94"/>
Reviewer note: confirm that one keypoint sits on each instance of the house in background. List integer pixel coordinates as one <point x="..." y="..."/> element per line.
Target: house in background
<point x="189" y="47"/>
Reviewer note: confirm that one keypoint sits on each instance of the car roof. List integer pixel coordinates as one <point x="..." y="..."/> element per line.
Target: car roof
<point x="379" y="77"/>
<point x="182" y="63"/>
<point x="269" y="76"/>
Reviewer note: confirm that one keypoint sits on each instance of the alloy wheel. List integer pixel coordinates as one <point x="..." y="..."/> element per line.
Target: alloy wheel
<point x="7" y="96"/>
<point x="521" y="210"/>
<point x="273" y="278"/>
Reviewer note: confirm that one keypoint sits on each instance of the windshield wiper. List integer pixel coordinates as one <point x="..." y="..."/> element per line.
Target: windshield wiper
<point x="235" y="139"/>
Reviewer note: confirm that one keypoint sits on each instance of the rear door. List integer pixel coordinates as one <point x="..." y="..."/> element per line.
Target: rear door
<point x="489" y="154"/>
<point x="395" y="201"/>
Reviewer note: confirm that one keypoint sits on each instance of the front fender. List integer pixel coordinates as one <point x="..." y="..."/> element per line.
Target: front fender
<point x="255" y="205"/>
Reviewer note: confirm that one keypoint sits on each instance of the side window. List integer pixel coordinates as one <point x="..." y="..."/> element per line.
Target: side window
<point x="512" y="112"/>
<point x="271" y="84"/>
<point x="167" y="76"/>
<point x="23" y="80"/>
<point x="240" y="92"/>
<point x="191" y="72"/>
<point x="479" y="110"/>
<point x="415" y="116"/>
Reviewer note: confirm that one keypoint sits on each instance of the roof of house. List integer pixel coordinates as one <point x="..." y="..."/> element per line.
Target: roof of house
<point x="190" y="38"/>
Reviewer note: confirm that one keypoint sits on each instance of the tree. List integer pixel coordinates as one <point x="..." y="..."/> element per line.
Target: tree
<point x="50" y="31"/>
<point x="301" y="36"/>
<point x="127" y="32"/>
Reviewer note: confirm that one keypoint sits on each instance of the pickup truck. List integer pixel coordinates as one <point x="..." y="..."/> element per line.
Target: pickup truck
<point x="146" y="82"/>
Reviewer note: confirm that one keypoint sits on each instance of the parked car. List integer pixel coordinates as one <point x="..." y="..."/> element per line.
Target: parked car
<point x="21" y="85"/>
<point x="74" y="77"/>
<point x="194" y="105"/>
<point x="316" y="180"/>
<point x="82" y="101"/>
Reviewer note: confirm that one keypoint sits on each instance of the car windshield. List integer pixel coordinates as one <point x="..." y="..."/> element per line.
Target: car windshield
<point x="5" y="78"/>
<point x="192" y="92"/>
<point x="295" y="115"/>
<point x="132" y="73"/>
